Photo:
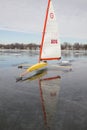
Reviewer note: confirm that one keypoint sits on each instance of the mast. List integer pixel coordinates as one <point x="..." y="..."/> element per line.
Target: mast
<point x="43" y="33"/>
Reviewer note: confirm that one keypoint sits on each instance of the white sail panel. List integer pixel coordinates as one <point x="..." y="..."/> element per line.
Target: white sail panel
<point x="51" y="45"/>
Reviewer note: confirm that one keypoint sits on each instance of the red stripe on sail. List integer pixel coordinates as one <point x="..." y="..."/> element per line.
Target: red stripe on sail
<point x="51" y="58"/>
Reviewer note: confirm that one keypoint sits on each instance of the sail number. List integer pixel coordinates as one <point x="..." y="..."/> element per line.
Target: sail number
<point x="53" y="41"/>
<point x="51" y="15"/>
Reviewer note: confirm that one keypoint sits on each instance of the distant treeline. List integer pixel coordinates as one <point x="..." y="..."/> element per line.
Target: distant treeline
<point x="75" y="46"/>
<point x="22" y="46"/>
<point x="33" y="46"/>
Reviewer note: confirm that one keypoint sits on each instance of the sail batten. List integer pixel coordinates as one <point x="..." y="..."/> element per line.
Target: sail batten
<point x="50" y="45"/>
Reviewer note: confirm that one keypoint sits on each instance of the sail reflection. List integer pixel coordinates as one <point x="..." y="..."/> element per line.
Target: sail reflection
<point x="49" y="91"/>
<point x="49" y="87"/>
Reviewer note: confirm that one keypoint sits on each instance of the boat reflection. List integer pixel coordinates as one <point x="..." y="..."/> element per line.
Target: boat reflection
<point x="49" y="87"/>
<point x="49" y="91"/>
<point x="34" y="76"/>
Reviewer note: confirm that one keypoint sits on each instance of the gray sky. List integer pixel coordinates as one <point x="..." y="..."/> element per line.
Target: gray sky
<point x="28" y="16"/>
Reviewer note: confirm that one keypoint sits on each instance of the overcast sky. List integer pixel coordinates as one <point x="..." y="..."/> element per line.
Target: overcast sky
<point x="28" y="16"/>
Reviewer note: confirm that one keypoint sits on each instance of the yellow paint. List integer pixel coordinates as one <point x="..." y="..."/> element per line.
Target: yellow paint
<point x="37" y="66"/>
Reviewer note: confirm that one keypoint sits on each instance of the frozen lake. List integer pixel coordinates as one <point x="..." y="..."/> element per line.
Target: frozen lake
<point x="54" y="99"/>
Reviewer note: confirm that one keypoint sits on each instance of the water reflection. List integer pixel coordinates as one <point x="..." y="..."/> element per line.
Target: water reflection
<point x="35" y="76"/>
<point x="49" y="91"/>
<point x="49" y="87"/>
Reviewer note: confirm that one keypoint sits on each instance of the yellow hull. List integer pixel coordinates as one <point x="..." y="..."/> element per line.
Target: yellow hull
<point x="37" y="66"/>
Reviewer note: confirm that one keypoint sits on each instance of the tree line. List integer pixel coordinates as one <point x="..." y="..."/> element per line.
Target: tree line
<point x="22" y="46"/>
<point x="33" y="46"/>
<point x="75" y="46"/>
